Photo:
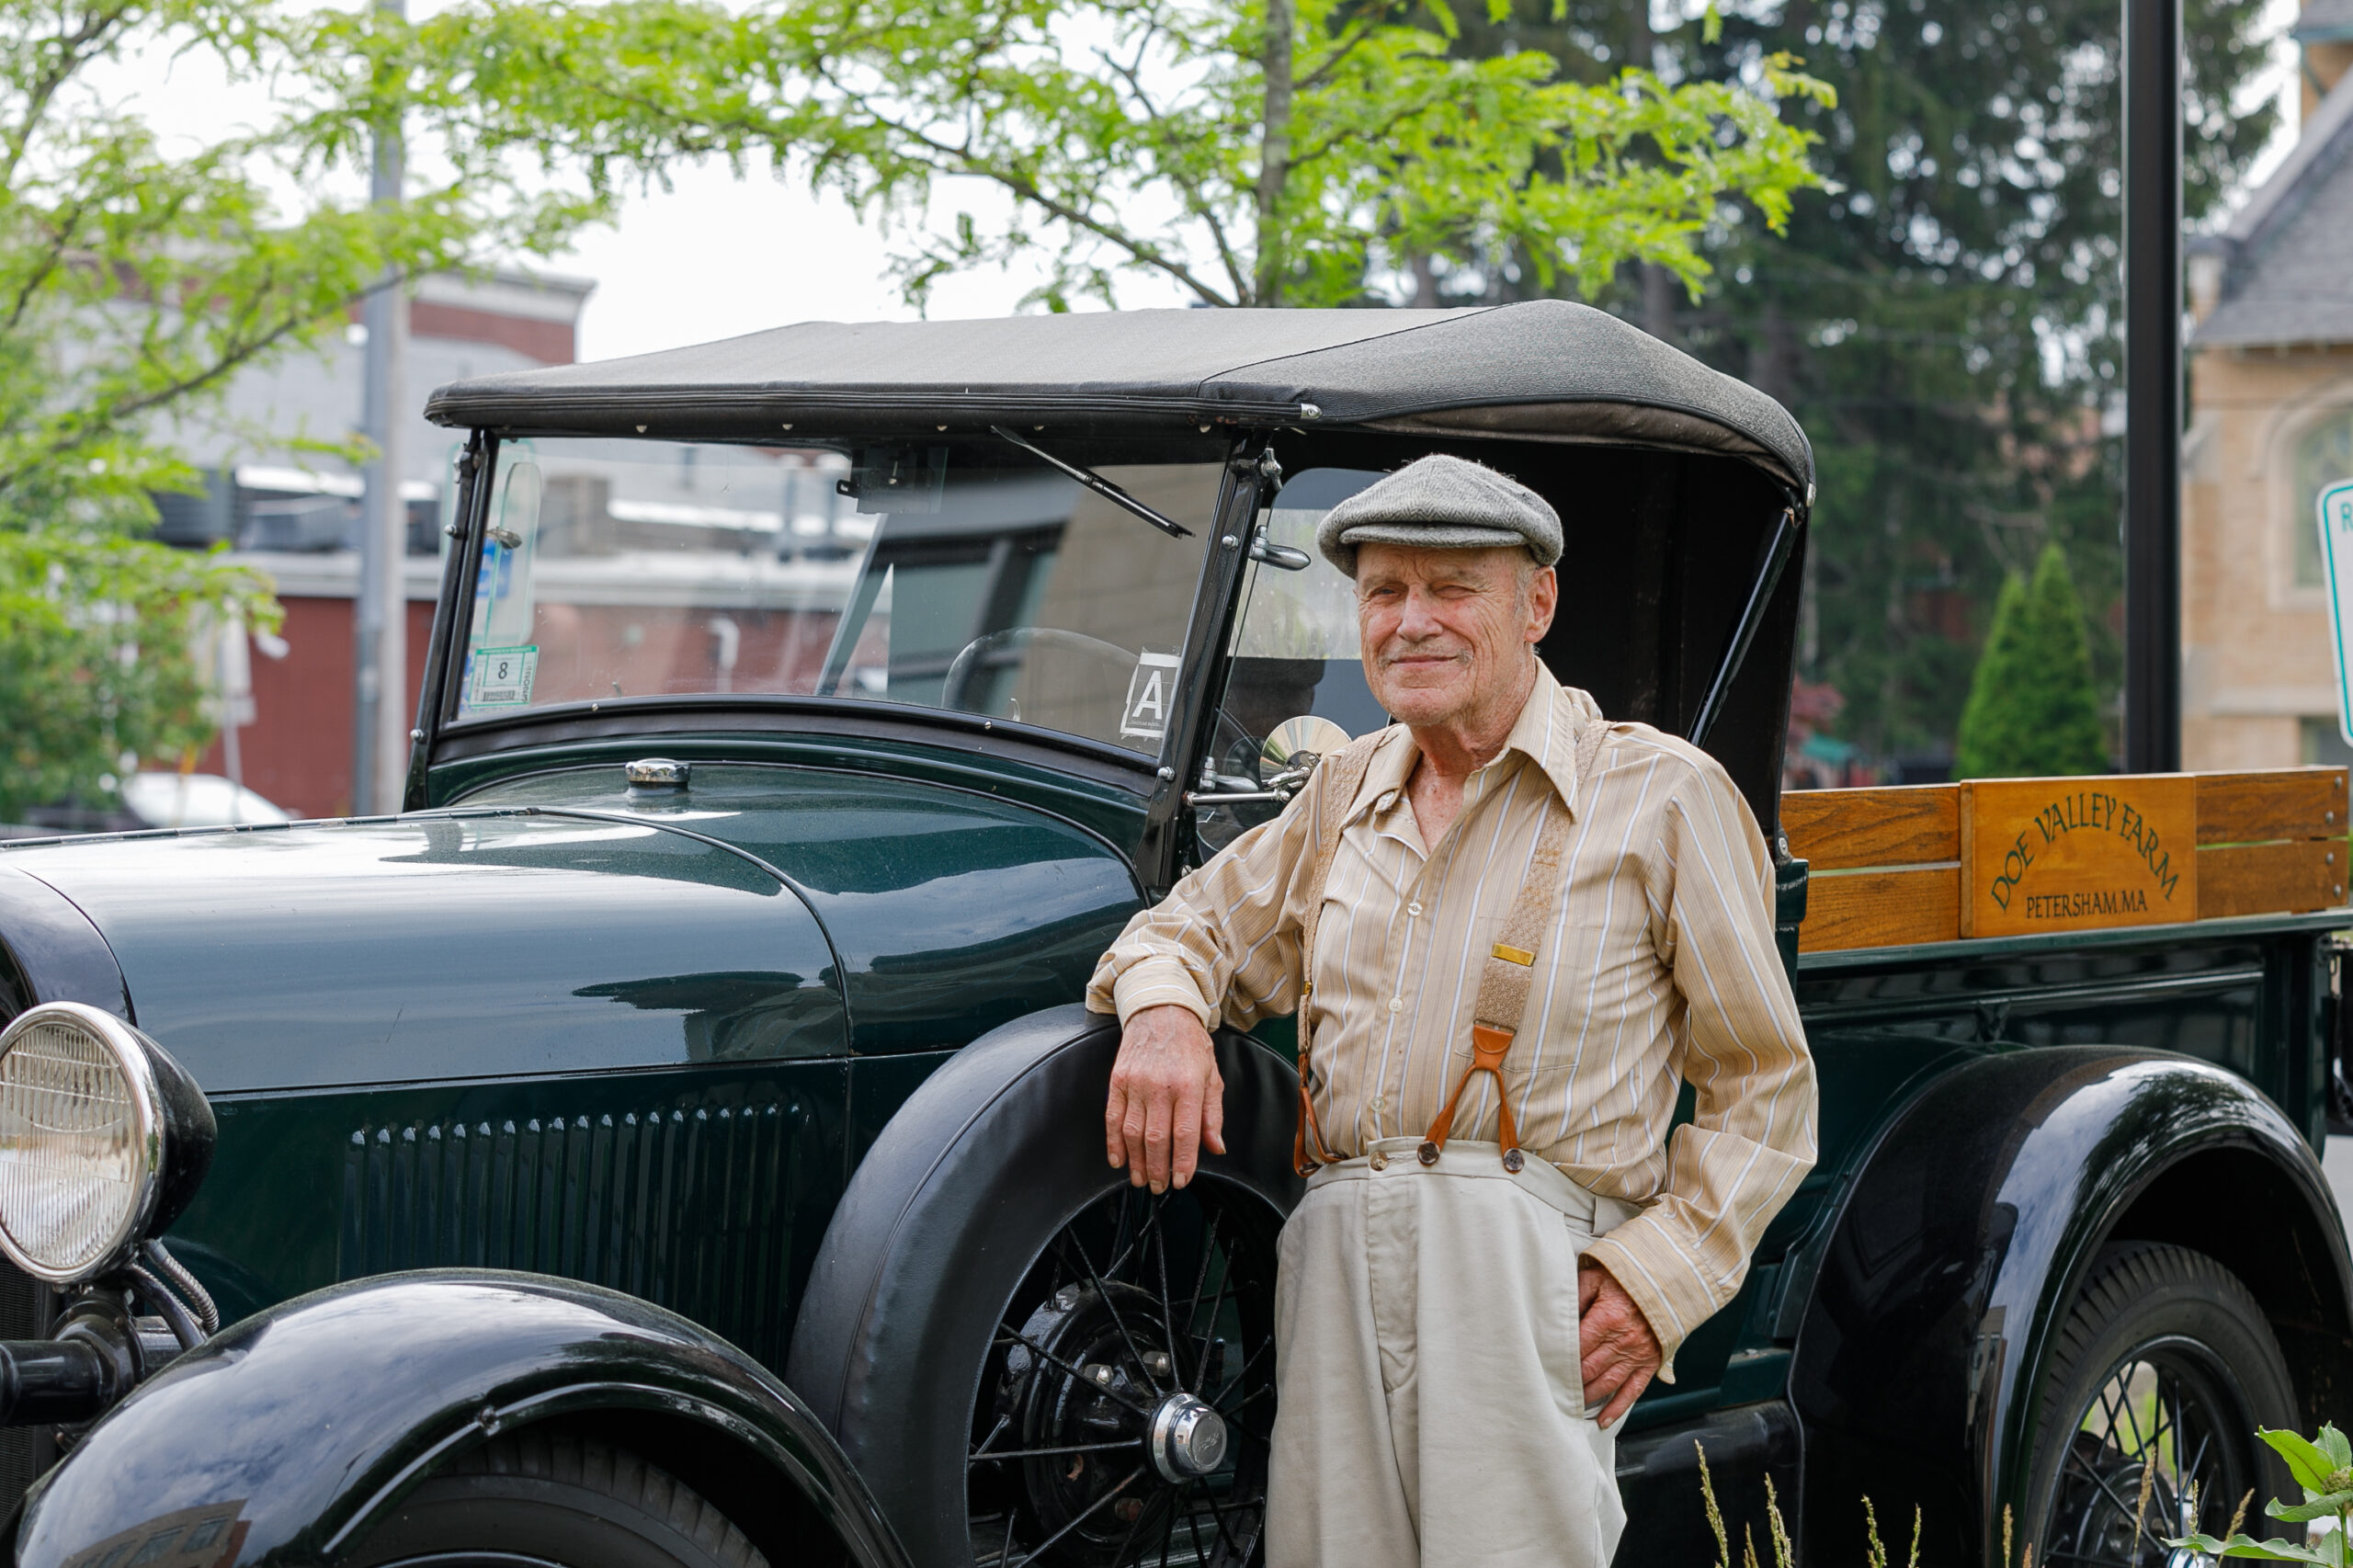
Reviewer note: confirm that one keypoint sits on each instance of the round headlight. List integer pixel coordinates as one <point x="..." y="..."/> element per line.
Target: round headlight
<point x="102" y="1139"/>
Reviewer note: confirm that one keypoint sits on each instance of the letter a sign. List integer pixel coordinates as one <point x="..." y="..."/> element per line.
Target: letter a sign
<point x="1150" y="690"/>
<point x="2337" y="555"/>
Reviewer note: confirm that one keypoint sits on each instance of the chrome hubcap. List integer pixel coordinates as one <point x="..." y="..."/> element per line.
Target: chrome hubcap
<point x="1188" y="1438"/>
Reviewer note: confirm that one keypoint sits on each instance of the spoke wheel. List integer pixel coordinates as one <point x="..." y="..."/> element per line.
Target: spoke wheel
<point x="1030" y="1360"/>
<point x="2163" y="1372"/>
<point x="1125" y="1411"/>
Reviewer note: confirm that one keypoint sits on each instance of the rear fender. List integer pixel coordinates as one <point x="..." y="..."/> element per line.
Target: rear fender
<point x="302" y="1424"/>
<point x="1965" y="1236"/>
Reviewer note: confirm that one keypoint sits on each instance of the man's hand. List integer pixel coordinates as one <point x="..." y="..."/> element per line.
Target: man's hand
<point x="1167" y="1100"/>
<point x="1621" y="1354"/>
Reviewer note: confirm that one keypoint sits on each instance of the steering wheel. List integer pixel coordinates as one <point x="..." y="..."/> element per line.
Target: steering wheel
<point x="977" y="655"/>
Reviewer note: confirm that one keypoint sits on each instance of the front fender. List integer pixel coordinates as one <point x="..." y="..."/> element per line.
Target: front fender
<point x="1964" y="1238"/>
<point x="307" y="1421"/>
<point x="56" y="954"/>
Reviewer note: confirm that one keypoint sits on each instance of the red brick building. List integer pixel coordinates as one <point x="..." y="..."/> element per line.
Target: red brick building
<point x="291" y="517"/>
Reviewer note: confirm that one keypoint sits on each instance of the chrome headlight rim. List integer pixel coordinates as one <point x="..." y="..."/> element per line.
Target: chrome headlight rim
<point x="134" y="1054"/>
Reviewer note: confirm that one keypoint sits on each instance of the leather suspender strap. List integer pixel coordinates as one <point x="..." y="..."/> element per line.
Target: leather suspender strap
<point x="1504" y="984"/>
<point x="1510" y="969"/>
<point x="1337" y="781"/>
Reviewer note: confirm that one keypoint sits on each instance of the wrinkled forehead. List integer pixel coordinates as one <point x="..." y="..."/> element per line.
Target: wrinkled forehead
<point x="1397" y="565"/>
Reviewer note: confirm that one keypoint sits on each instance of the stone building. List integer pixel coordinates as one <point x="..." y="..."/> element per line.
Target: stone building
<point x="2271" y="423"/>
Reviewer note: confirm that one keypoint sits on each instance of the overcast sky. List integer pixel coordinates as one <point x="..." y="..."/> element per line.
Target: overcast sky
<point x="715" y="256"/>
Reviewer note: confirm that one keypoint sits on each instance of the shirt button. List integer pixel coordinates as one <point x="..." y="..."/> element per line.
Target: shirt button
<point x="1396" y="1003"/>
<point x="1379" y="1102"/>
<point x="1415" y="910"/>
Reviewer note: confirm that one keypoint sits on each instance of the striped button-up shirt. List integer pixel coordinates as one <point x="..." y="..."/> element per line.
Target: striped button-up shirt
<point x="1658" y="966"/>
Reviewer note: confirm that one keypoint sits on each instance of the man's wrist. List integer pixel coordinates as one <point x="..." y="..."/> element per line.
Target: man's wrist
<point x="1159" y="982"/>
<point x="1653" y="1310"/>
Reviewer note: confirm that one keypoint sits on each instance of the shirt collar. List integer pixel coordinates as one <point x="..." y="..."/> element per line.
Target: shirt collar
<point x="1547" y="730"/>
<point x="1545" y="734"/>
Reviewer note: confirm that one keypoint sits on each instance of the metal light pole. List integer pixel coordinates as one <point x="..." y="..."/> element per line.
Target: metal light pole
<point x="2152" y="385"/>
<point x="379" y="610"/>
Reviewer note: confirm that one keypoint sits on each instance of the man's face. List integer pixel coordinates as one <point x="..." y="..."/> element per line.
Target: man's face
<point x="1446" y="631"/>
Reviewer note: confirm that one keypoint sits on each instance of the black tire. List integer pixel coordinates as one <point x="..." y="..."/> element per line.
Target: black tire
<point x="2164" y="1363"/>
<point x="546" y="1496"/>
<point x="986" y="1259"/>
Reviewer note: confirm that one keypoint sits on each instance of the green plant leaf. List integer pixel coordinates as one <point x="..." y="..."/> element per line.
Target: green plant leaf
<point x="2335" y="1444"/>
<point x="2247" y="1546"/>
<point x="2309" y="1464"/>
<point x="2314" y="1509"/>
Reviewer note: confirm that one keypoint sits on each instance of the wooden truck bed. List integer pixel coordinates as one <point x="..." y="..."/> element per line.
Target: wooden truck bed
<point x="1939" y="862"/>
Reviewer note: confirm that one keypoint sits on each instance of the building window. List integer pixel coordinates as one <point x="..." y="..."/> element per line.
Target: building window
<point x="2322" y="743"/>
<point x="2323" y="457"/>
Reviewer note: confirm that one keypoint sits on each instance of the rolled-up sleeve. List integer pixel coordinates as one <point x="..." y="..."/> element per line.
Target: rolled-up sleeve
<point x="1224" y="943"/>
<point x="1752" y="1136"/>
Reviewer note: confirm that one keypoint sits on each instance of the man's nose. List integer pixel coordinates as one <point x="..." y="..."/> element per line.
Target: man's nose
<point x="1419" y="618"/>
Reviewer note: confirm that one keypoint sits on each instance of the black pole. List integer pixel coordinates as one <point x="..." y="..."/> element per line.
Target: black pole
<point x="2152" y="385"/>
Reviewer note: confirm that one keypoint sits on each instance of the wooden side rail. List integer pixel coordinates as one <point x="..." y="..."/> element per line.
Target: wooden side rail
<point x="1894" y="866"/>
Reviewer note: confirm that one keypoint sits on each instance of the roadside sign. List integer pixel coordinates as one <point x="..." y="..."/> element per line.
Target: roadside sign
<point x="2337" y="556"/>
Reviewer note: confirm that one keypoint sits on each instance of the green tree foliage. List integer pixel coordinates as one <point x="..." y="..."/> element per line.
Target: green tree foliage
<point x="1275" y="152"/>
<point x="2033" y="710"/>
<point x="94" y="658"/>
<point x="1942" y="317"/>
<point x="1945" y="322"/>
<point x="137" y="276"/>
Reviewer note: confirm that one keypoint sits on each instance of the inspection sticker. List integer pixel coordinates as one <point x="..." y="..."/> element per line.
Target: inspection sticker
<point x="1150" y="691"/>
<point x="503" y="677"/>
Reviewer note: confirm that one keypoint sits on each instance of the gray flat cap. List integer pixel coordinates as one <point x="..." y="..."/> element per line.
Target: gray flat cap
<point x="1441" y="503"/>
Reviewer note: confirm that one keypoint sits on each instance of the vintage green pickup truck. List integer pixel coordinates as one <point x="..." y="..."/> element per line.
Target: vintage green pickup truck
<point x="675" y="1139"/>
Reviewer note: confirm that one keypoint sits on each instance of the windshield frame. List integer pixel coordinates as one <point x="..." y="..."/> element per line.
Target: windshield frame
<point x="444" y="733"/>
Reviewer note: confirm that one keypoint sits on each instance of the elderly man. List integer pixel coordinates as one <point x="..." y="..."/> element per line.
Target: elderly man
<point x="1508" y="927"/>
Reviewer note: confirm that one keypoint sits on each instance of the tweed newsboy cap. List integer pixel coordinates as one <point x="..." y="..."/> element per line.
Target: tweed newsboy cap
<point x="1441" y="503"/>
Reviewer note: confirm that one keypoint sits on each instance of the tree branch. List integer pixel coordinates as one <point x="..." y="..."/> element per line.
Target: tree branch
<point x="1143" y="251"/>
<point x="1363" y="28"/>
<point x="1195" y="201"/>
<point x="70" y="59"/>
<point x="61" y="238"/>
<point x="235" y="359"/>
<point x="960" y="159"/>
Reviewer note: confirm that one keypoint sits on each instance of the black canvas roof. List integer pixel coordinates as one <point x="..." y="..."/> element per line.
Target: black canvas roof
<point x="1544" y="369"/>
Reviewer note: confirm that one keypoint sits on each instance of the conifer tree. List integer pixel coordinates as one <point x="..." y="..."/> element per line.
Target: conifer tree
<point x="2033" y="709"/>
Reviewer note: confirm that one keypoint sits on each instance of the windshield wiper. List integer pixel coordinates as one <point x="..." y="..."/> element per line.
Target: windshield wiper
<point x="1100" y="485"/>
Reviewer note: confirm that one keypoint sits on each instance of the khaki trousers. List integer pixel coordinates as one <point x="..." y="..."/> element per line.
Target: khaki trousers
<point x="1430" y="1411"/>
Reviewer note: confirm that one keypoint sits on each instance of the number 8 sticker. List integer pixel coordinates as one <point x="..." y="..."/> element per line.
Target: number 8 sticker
<point x="502" y="676"/>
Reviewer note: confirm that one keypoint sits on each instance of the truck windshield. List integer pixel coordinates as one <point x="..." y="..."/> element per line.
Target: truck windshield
<point x="1294" y="680"/>
<point x="969" y="575"/>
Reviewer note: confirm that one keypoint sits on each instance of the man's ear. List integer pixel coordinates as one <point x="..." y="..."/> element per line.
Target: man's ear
<point x="1543" y="599"/>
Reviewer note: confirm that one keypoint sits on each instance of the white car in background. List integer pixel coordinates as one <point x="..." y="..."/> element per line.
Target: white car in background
<point x="195" y="800"/>
<point x="154" y="800"/>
